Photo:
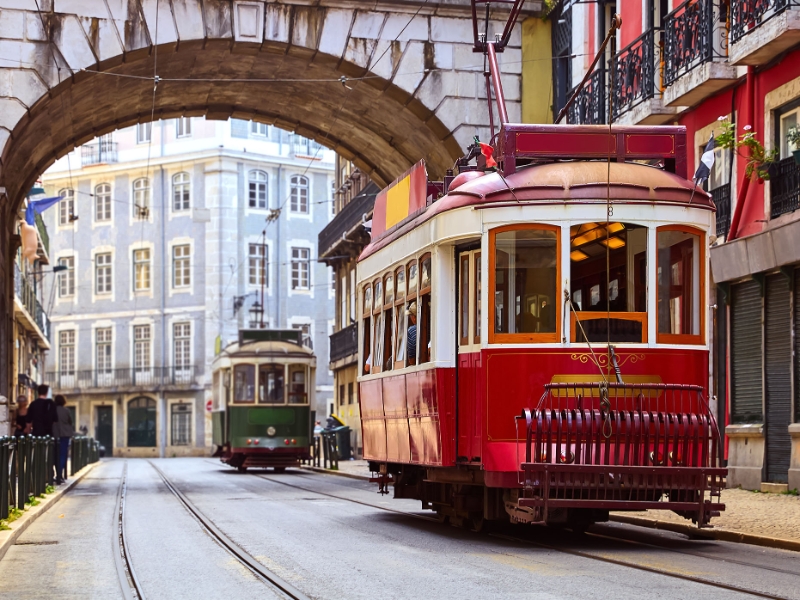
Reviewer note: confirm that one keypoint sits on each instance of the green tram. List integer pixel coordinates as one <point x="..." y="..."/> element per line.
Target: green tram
<point x="263" y="390"/>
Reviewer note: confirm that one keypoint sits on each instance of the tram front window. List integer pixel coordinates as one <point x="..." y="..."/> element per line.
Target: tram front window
<point x="525" y="276"/>
<point x="608" y="274"/>
<point x="244" y="383"/>
<point x="270" y="384"/>
<point x="679" y="276"/>
<point x="297" y="387"/>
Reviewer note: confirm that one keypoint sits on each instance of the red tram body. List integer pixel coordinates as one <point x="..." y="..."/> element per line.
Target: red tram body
<point x="560" y="349"/>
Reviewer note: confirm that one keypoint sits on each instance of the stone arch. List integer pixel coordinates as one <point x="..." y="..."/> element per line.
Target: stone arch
<point x="414" y="102"/>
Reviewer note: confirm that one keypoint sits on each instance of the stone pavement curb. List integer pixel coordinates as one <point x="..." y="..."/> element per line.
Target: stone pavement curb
<point x="18" y="527"/>
<point x="723" y="535"/>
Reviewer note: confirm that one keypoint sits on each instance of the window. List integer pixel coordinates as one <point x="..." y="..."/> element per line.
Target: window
<point x="525" y="275"/>
<point x="608" y="307"/>
<point x="181" y="266"/>
<point x="477" y="309"/>
<point x="300" y="258"/>
<point x="366" y="328"/>
<point x="376" y="355"/>
<point x="341" y="395"/>
<point x="143" y="132"/>
<point x="66" y="206"/>
<point x="259" y="129"/>
<point x="66" y="346"/>
<point x="141" y="198"/>
<point x="180" y="191"/>
<point x="183" y="126"/>
<point x="463" y="300"/>
<point x="141" y="269"/>
<point x="102" y="202"/>
<point x="102" y="269"/>
<point x="297" y="385"/>
<point x="141" y="347"/>
<point x="244" y="384"/>
<point x="270" y="384"/>
<point x="411" y="314"/>
<point x="257" y="263"/>
<point x="424" y="310"/>
<point x="142" y="422"/>
<point x="182" y="345"/>
<point x="239" y="128"/>
<point x="402" y="313"/>
<point x="788" y="120"/>
<point x="299" y="194"/>
<point x="181" y="424"/>
<point x="342" y="291"/>
<point x="66" y="279"/>
<point x="103" y="350"/>
<point x="680" y="279"/>
<point x="257" y="189"/>
<point x="305" y="336"/>
<point x="350" y="395"/>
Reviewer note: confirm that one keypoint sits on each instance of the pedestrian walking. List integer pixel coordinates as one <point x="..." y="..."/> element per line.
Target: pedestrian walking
<point x="21" y="424"/>
<point x="42" y="412"/>
<point x="63" y="430"/>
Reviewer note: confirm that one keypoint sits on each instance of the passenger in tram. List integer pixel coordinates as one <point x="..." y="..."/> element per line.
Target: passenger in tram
<point x="411" y="336"/>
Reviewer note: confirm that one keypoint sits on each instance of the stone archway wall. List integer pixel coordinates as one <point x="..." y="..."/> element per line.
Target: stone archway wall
<point x="422" y="97"/>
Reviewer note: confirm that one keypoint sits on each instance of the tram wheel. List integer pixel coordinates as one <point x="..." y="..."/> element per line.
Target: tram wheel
<point x="241" y="469"/>
<point x="279" y="469"/>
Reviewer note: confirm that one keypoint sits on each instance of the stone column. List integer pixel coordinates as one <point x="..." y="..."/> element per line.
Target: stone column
<point x="746" y="449"/>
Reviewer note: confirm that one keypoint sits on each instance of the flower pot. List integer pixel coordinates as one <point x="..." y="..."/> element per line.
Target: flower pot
<point x="796" y="154"/>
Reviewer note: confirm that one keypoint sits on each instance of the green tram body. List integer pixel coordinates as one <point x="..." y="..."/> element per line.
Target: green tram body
<point x="262" y="393"/>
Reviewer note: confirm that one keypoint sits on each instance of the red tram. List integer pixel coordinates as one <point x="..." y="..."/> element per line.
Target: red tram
<point x="534" y="342"/>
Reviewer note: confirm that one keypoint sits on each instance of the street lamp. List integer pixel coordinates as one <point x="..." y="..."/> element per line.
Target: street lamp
<point x="257" y="314"/>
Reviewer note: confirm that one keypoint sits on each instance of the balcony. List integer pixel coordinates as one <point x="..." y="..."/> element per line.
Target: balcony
<point x="762" y="29"/>
<point x="722" y="200"/>
<point x="589" y="107"/>
<point x="785" y="188"/>
<point x="344" y="344"/>
<point x="28" y="307"/>
<point x="44" y="241"/>
<point x="635" y="97"/>
<point x="695" y="51"/>
<point x="345" y="235"/>
<point x="124" y="379"/>
<point x="100" y="152"/>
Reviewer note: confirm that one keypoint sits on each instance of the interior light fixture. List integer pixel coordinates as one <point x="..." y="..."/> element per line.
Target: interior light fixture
<point x="577" y="256"/>
<point x="613" y="243"/>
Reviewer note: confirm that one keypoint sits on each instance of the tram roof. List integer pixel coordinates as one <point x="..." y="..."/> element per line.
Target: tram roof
<point x="573" y="182"/>
<point x="265" y="349"/>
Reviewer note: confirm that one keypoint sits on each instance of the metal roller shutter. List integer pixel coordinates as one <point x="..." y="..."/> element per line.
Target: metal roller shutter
<point x="778" y="378"/>
<point x="746" y="353"/>
<point x="796" y="345"/>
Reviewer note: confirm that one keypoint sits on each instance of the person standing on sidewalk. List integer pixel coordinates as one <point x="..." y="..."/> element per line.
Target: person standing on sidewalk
<point x="63" y="430"/>
<point x="21" y="424"/>
<point x="42" y="415"/>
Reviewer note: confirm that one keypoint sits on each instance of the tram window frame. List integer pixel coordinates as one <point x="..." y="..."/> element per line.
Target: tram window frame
<point x="271" y="367"/>
<point x="366" y="329"/>
<point x="463" y="299"/>
<point x="476" y="309"/>
<point x="236" y="369"/>
<point x="425" y="318"/>
<point x="700" y="263"/>
<point x="291" y="369"/>
<point x="522" y="338"/>
<point x="411" y="296"/>
<point x="400" y="327"/>
<point x="388" y="322"/>
<point x="376" y="353"/>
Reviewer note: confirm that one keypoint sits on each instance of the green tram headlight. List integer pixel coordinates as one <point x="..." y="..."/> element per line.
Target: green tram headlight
<point x="271" y="431"/>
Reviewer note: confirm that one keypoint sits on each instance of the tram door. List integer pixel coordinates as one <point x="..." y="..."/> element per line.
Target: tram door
<point x="468" y="315"/>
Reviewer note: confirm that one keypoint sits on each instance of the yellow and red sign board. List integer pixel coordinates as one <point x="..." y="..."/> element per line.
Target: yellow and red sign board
<point x="405" y="196"/>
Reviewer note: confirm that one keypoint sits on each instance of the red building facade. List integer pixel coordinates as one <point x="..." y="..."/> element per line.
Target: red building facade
<point x="690" y="64"/>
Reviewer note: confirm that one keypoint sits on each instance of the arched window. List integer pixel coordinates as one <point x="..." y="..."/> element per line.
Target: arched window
<point x="66" y="206"/>
<point x="299" y="194"/>
<point x="141" y="198"/>
<point x="142" y="422"/>
<point x="180" y="191"/>
<point x="102" y="202"/>
<point x="257" y="189"/>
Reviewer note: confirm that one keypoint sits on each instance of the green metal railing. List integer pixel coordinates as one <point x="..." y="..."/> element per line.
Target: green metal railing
<point x="27" y="467"/>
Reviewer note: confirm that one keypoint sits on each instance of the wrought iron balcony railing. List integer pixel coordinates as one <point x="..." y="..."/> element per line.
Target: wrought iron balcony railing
<point x="44" y="237"/>
<point x="722" y="200"/>
<point x="634" y="70"/>
<point x="26" y="292"/>
<point x="748" y="15"/>
<point x="344" y="343"/>
<point x="785" y="188"/>
<point x="88" y="380"/>
<point x="99" y="152"/>
<point x="589" y="107"/>
<point x="694" y="33"/>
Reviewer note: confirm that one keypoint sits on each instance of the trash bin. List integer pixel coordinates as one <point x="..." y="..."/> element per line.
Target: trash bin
<point x="343" y="441"/>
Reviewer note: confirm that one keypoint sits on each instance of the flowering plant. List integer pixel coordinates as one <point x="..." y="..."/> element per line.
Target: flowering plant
<point x="758" y="158"/>
<point x="793" y="136"/>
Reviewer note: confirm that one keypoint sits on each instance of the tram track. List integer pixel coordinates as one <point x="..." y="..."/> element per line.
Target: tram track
<point x="579" y="553"/>
<point x="129" y="583"/>
<point x="246" y="559"/>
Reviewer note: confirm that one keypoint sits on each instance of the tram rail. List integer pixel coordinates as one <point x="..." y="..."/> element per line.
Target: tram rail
<point x="129" y="583"/>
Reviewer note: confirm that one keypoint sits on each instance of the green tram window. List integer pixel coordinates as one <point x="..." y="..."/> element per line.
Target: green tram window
<point x="270" y="384"/>
<point x="297" y="389"/>
<point x="244" y="384"/>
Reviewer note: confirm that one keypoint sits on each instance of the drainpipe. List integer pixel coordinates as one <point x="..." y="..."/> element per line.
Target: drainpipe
<point x="278" y="287"/>
<point x="163" y="437"/>
<point x="748" y="120"/>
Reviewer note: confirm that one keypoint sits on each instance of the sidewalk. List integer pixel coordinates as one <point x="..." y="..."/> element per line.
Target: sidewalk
<point x="751" y="517"/>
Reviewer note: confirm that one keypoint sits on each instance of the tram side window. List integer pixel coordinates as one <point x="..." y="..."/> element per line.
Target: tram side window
<point x="388" y="324"/>
<point x="525" y="306"/>
<point x="297" y="386"/>
<point x="377" y="323"/>
<point x="424" y="311"/>
<point x="244" y="386"/>
<point x="680" y="281"/>
<point x="608" y="273"/>
<point x="366" y="328"/>
<point x="270" y="384"/>
<point x="401" y="315"/>
<point x="411" y="316"/>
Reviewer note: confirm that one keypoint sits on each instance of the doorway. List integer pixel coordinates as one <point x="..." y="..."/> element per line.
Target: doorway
<point x="468" y="327"/>
<point x="104" y="428"/>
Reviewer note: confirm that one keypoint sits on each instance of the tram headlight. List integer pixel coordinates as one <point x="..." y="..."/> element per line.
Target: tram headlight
<point x="271" y="431"/>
